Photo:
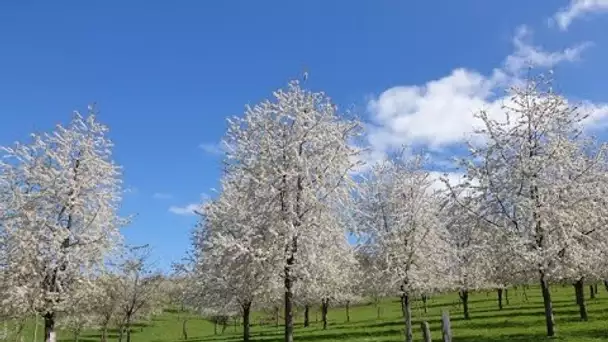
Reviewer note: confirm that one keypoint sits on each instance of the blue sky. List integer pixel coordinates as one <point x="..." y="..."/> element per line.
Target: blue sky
<point x="165" y="75"/>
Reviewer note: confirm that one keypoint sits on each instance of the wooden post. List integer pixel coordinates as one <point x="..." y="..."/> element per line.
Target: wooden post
<point x="426" y="332"/>
<point x="446" y="329"/>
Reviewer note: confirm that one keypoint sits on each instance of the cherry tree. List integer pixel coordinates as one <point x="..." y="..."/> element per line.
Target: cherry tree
<point x="59" y="218"/>
<point x="471" y="253"/>
<point x="527" y="172"/>
<point x="234" y="254"/>
<point x="399" y="213"/>
<point x="329" y="268"/>
<point x="297" y="150"/>
<point x="139" y="289"/>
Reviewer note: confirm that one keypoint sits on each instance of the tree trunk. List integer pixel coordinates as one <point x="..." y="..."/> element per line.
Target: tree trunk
<point x="324" y="309"/>
<point x="544" y="286"/>
<point x="276" y="316"/>
<point x="215" y="326"/>
<point x="306" y="315"/>
<point x="49" y="327"/>
<point x="288" y="302"/>
<point x="426" y="332"/>
<point x="499" y="290"/>
<point x="104" y="334"/>
<point x="246" y="315"/>
<point x="446" y="329"/>
<point x="595" y="289"/>
<point x="76" y="335"/>
<point x="185" y="329"/>
<point x="526" y="295"/>
<point x="606" y="284"/>
<point x="424" y="298"/>
<point x="464" y="296"/>
<point x="579" y="291"/>
<point x="591" y="292"/>
<point x="507" y="295"/>
<point x="348" y="311"/>
<point x="407" y="316"/>
<point x="129" y="334"/>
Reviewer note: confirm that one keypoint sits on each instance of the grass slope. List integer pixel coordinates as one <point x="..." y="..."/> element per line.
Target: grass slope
<point x="518" y="321"/>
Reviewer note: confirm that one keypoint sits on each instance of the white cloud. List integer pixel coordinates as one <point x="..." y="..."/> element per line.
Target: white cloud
<point x="526" y="54"/>
<point x="189" y="209"/>
<point x="212" y="148"/>
<point x="442" y="112"/>
<point x="162" y="196"/>
<point x="577" y="9"/>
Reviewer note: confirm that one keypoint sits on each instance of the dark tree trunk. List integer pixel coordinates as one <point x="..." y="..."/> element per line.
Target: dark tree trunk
<point x="424" y="299"/>
<point x="548" y="304"/>
<point x="499" y="290"/>
<point x="246" y="315"/>
<point x="215" y="326"/>
<point x="306" y="315"/>
<point x="579" y="291"/>
<point x="507" y="295"/>
<point x="185" y="329"/>
<point x="348" y="311"/>
<point x="464" y="297"/>
<point x="324" y="309"/>
<point x="407" y="317"/>
<point x="129" y="334"/>
<point x="606" y="284"/>
<point x="591" y="292"/>
<point x="49" y="327"/>
<point x="595" y="289"/>
<point x="288" y="303"/>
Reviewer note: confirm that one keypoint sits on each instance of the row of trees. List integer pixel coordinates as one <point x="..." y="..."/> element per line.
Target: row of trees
<point x="529" y="209"/>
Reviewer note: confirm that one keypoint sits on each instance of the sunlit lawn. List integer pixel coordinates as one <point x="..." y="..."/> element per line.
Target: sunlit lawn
<point x="518" y="321"/>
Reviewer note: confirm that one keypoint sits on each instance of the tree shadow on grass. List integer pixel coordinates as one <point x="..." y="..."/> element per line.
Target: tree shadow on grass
<point x="316" y="336"/>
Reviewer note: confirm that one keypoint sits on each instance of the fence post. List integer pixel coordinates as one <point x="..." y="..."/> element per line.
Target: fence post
<point x="446" y="329"/>
<point x="426" y="332"/>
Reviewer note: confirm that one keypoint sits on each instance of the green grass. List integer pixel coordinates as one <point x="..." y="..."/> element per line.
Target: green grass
<point x="518" y="321"/>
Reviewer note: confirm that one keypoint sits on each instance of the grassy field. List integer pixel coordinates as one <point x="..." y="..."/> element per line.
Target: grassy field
<point x="518" y="321"/>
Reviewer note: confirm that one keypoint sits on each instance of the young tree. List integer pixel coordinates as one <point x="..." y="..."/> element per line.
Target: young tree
<point x="298" y="151"/>
<point x="521" y="169"/>
<point x="399" y="213"/>
<point x="59" y="216"/>
<point x="139" y="286"/>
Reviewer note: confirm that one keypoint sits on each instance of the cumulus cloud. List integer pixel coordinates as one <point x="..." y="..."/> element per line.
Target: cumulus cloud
<point x="441" y="112"/>
<point x="577" y="9"/>
<point x="162" y="196"/>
